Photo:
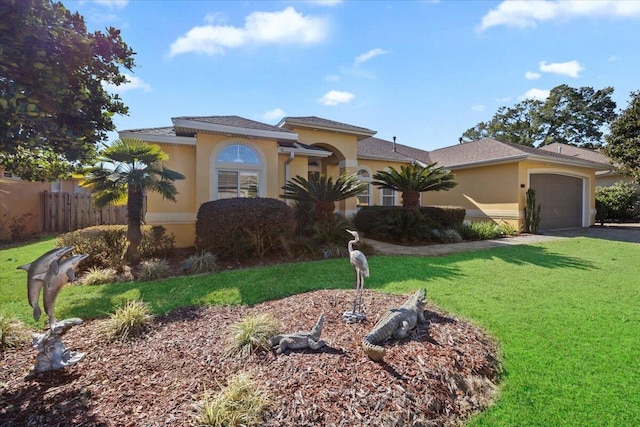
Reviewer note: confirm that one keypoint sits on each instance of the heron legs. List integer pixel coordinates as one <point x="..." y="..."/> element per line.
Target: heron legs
<point x="357" y="302"/>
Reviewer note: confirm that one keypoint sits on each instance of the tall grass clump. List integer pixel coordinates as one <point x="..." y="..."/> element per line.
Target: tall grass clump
<point x="12" y="333"/>
<point x="99" y="276"/>
<point x="129" y="321"/>
<point x="241" y="403"/>
<point x="203" y="262"/>
<point x="251" y="334"/>
<point x="154" y="269"/>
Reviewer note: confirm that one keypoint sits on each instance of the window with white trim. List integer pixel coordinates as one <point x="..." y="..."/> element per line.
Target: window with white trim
<point x="388" y="197"/>
<point x="238" y="171"/>
<point x="364" y="198"/>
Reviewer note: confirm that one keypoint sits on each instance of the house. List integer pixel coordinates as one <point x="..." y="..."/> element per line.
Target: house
<point x="230" y="156"/>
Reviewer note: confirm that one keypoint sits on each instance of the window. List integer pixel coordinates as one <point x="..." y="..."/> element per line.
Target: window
<point x="364" y="198"/>
<point x="238" y="172"/>
<point x="55" y="186"/>
<point x="388" y="197"/>
<point x="237" y="184"/>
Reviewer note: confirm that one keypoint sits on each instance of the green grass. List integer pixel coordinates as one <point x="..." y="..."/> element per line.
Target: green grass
<point x="566" y="314"/>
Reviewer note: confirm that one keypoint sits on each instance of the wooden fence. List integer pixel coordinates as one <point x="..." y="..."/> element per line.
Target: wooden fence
<point x="62" y="212"/>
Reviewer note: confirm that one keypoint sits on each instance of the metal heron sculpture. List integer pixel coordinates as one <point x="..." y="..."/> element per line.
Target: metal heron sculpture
<point x="359" y="262"/>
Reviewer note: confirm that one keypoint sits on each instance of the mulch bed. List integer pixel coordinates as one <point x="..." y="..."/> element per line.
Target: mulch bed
<point x="446" y="370"/>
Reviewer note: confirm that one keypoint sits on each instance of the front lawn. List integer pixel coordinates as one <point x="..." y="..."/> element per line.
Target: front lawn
<point x="565" y="312"/>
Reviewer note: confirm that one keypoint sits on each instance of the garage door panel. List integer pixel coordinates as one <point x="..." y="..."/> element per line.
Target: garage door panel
<point x="560" y="200"/>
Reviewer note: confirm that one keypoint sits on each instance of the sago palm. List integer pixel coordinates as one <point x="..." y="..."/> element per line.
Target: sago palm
<point x="322" y="192"/>
<point x="414" y="179"/>
<point x="135" y="168"/>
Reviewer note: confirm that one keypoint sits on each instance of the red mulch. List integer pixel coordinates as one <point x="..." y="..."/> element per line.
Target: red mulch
<point x="442" y="373"/>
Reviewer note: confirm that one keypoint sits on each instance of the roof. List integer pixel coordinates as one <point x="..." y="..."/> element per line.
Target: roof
<point x="380" y="149"/>
<point x="313" y="122"/>
<point x="488" y="151"/>
<point x="573" y="151"/>
<point x="229" y="125"/>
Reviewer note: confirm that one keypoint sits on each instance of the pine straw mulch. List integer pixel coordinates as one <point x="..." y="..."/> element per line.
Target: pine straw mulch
<point x="446" y="370"/>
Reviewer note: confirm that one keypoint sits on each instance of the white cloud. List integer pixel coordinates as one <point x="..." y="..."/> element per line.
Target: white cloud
<point x="478" y="108"/>
<point x="112" y="4"/>
<point x="327" y="3"/>
<point x="539" y="94"/>
<point x="569" y="68"/>
<point x="527" y="14"/>
<point x="275" y="114"/>
<point x="613" y="58"/>
<point x="369" y="55"/>
<point x="335" y="97"/>
<point x="134" y="83"/>
<point x="285" y="27"/>
<point x="530" y="75"/>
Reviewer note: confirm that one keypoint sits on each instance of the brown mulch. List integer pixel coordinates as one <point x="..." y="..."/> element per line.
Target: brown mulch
<point x="446" y="370"/>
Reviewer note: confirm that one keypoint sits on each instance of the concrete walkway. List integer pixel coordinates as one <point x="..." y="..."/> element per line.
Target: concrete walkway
<point x="624" y="233"/>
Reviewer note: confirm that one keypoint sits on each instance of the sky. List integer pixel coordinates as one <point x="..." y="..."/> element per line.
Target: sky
<point x="422" y="71"/>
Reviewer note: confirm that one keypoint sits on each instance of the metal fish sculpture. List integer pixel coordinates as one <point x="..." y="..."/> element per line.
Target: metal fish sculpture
<point x="59" y="273"/>
<point x="39" y="266"/>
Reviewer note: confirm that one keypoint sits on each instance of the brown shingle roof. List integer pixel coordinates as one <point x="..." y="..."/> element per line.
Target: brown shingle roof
<point x="376" y="148"/>
<point x="488" y="151"/>
<point x="573" y="151"/>
<point x="320" y="123"/>
<point x="233" y="121"/>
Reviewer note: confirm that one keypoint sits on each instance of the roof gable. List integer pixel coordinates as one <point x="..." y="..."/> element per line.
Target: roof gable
<point x="318" y="123"/>
<point x="229" y="125"/>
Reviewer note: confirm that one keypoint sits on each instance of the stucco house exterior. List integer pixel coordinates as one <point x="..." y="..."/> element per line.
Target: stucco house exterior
<point x="230" y="156"/>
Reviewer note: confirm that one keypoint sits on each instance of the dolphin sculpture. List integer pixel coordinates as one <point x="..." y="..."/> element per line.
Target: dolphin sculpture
<point x="41" y="265"/>
<point x="52" y="281"/>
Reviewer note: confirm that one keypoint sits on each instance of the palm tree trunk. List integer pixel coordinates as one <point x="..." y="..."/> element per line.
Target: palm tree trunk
<point x="134" y="222"/>
<point x="411" y="200"/>
<point x="324" y="210"/>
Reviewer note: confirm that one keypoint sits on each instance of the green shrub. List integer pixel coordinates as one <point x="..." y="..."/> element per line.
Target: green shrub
<point x="241" y="403"/>
<point x="251" y="334"/>
<point x="448" y="235"/>
<point x="12" y="333"/>
<point x="531" y="213"/>
<point x="332" y="231"/>
<point x="106" y="244"/>
<point x="404" y="226"/>
<point x="616" y="203"/>
<point x="127" y="322"/>
<point x="241" y="227"/>
<point x="203" y="262"/>
<point x="154" y="269"/>
<point x="445" y="216"/>
<point x="99" y="276"/>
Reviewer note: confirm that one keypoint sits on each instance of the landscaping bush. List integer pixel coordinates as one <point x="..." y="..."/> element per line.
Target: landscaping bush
<point x="99" y="276"/>
<point x="154" y="269"/>
<point x="240" y="403"/>
<point x="445" y="216"/>
<point x="251" y="334"/>
<point x="448" y="235"/>
<point x="106" y="244"/>
<point x="394" y="224"/>
<point x="203" y="262"/>
<point x="127" y="322"/>
<point x="12" y="333"/>
<point x="616" y="203"/>
<point x="240" y="227"/>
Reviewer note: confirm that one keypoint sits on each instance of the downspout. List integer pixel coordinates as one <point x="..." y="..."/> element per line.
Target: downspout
<point x="286" y="170"/>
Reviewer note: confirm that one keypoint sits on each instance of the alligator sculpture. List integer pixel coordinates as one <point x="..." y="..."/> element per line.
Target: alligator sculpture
<point x="395" y="324"/>
<point x="300" y="339"/>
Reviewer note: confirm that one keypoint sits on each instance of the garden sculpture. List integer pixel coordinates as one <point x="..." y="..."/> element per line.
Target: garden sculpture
<point x="359" y="262"/>
<point x="39" y="266"/>
<point x="395" y="324"/>
<point x="301" y="339"/>
<point x="50" y="272"/>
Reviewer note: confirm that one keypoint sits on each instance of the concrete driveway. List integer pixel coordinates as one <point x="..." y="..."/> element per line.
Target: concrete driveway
<point x="623" y="233"/>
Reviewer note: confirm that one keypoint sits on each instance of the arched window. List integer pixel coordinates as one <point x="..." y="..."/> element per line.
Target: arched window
<point x="364" y="198"/>
<point x="238" y="172"/>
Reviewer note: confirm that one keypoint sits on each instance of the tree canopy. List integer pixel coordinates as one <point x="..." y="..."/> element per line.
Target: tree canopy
<point x="575" y="116"/>
<point x="54" y="109"/>
<point x="623" y="141"/>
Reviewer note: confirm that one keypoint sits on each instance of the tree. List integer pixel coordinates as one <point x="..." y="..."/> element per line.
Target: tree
<point x="322" y="192"/>
<point x="623" y="142"/>
<point x="569" y="116"/>
<point x="414" y="179"/>
<point x="137" y="169"/>
<point x="54" y="110"/>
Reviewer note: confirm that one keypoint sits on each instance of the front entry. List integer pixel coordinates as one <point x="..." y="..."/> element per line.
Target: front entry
<point x="560" y="198"/>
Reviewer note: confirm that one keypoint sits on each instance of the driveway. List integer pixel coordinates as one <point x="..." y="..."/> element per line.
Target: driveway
<point x="623" y="233"/>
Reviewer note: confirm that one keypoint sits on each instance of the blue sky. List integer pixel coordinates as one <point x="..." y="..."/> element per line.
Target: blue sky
<point x="423" y="71"/>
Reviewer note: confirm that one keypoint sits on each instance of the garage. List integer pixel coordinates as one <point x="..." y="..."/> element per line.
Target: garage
<point x="560" y="198"/>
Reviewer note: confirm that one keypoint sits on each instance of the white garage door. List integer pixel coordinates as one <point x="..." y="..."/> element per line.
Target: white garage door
<point x="560" y="200"/>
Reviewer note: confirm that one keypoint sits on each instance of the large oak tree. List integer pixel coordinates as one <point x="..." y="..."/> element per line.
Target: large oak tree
<point x="623" y="143"/>
<point x="54" y="110"/>
<point x="575" y="116"/>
